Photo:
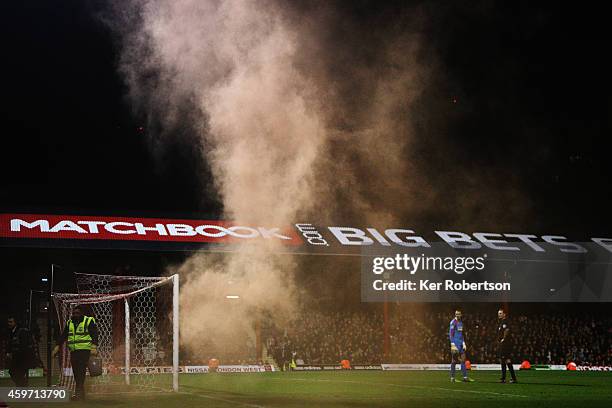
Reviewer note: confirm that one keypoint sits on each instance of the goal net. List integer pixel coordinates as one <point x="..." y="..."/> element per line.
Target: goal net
<point x="137" y="319"/>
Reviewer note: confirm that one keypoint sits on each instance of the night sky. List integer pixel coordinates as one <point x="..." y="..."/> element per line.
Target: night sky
<point x="523" y="88"/>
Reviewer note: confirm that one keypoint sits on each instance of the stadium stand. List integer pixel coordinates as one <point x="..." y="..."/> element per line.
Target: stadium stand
<point x="323" y="338"/>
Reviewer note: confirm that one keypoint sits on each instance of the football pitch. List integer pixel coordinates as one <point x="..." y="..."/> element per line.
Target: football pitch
<point x="370" y="389"/>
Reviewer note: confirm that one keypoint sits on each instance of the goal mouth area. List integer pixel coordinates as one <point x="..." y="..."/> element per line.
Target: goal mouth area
<point x="137" y="320"/>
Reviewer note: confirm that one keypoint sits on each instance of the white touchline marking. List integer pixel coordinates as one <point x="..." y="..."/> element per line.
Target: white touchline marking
<point x="246" y="404"/>
<point x="470" y="391"/>
<point x="404" y="386"/>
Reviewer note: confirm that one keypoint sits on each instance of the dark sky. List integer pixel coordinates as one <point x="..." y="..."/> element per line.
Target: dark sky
<point x="70" y="139"/>
<point x="531" y="84"/>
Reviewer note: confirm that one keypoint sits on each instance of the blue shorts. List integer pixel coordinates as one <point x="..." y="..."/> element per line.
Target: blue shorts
<point x="460" y="348"/>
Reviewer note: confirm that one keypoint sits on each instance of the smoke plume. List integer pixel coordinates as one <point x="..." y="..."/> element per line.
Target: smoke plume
<point x="298" y="110"/>
<point x="285" y="133"/>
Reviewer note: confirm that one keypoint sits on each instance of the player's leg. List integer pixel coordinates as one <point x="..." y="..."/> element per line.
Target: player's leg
<point x="511" y="369"/>
<point x="14" y="373"/>
<point x="26" y="376"/>
<point x="78" y="360"/>
<point x="463" y="367"/>
<point x="452" y="367"/>
<point x="503" y="369"/>
<point x="86" y="355"/>
<point x="75" y="362"/>
<point x="18" y="374"/>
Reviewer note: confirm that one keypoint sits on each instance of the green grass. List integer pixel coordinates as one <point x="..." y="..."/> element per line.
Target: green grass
<point x="537" y="389"/>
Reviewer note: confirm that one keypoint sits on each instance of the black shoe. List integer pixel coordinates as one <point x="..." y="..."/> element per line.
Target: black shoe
<point x="502" y="380"/>
<point x="75" y="398"/>
<point x="513" y="381"/>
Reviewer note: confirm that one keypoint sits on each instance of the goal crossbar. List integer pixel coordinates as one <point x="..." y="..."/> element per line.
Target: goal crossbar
<point x="89" y="298"/>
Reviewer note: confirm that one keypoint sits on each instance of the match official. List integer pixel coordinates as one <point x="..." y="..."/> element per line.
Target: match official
<point x="81" y="333"/>
<point x="505" y="346"/>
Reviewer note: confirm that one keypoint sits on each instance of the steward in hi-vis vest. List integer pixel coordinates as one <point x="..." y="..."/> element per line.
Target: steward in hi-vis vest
<point x="81" y="335"/>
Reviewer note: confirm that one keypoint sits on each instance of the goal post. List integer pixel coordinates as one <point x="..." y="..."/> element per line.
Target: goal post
<point x="175" y="332"/>
<point x="138" y="331"/>
<point x="127" y="340"/>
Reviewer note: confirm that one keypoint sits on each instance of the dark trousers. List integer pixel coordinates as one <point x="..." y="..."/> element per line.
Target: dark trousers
<point x="505" y="364"/>
<point x="19" y="374"/>
<point x="79" y="360"/>
<point x="505" y="359"/>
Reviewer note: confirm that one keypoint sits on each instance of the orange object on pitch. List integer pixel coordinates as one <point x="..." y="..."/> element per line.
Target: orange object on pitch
<point x="468" y="365"/>
<point x="346" y="365"/>
<point x="213" y="364"/>
<point x="525" y="365"/>
<point x="571" y="366"/>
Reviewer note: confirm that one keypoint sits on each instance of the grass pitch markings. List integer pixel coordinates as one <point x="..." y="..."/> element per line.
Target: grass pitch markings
<point x="245" y="404"/>
<point x="500" y="394"/>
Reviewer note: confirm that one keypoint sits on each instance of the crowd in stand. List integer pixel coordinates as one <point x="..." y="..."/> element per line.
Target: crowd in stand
<point x="422" y="337"/>
<point x="418" y="336"/>
<point x="325" y="338"/>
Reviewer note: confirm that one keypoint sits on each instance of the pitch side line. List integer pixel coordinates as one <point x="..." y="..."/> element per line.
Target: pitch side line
<point x="246" y="404"/>
<point x="469" y="391"/>
<point x="501" y="394"/>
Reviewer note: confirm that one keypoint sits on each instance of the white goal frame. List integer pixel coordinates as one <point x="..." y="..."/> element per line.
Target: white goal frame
<point x="73" y="299"/>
